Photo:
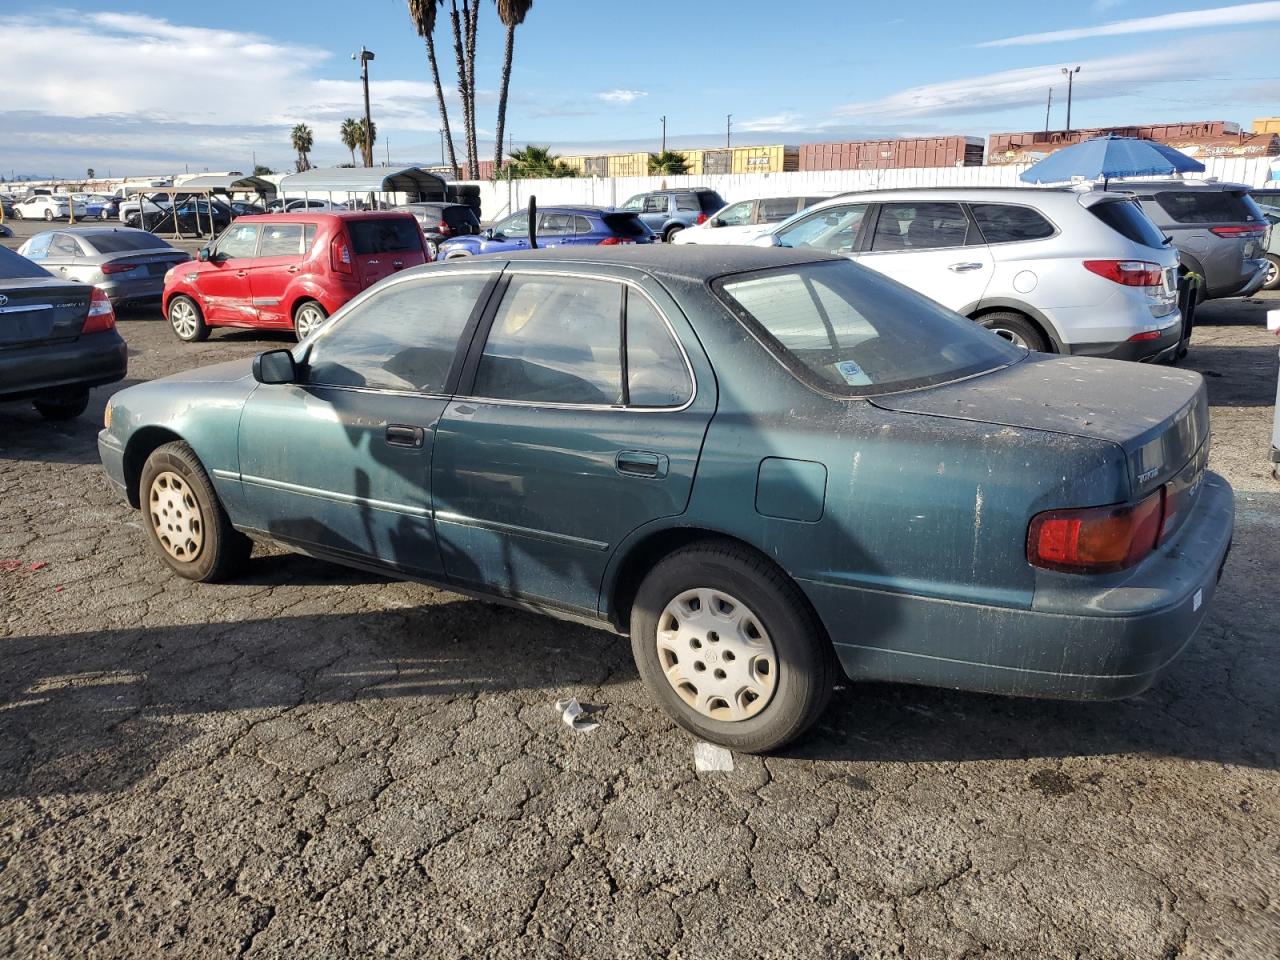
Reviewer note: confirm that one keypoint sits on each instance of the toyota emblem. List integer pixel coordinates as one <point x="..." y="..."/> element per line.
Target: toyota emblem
<point x="3" y="299"/>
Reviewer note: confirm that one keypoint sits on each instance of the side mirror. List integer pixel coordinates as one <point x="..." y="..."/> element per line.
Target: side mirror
<point x="713" y="222"/>
<point x="487" y="233"/>
<point x="768" y="240"/>
<point x="203" y="255"/>
<point x="275" y="366"/>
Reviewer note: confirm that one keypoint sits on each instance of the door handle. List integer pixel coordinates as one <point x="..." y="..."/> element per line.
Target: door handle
<point x="295" y="268"/>
<point x="242" y="273"/>
<point x="641" y="463"/>
<point x="404" y="435"/>
<point x="964" y="267"/>
<point x="397" y="264"/>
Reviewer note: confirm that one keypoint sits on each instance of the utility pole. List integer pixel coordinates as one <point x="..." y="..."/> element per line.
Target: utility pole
<point x="664" y="134"/>
<point x="1070" y="75"/>
<point x="442" y="146"/>
<point x="365" y="56"/>
<point x="728" y="129"/>
<point x="387" y="141"/>
<point x="1046" y="110"/>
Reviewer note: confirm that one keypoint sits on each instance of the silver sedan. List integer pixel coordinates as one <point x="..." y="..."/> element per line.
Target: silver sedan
<point x="126" y="264"/>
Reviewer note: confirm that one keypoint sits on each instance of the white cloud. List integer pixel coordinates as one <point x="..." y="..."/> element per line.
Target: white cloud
<point x="778" y="121"/>
<point x="1188" y="20"/>
<point x="621" y="96"/>
<point x="1107" y="77"/>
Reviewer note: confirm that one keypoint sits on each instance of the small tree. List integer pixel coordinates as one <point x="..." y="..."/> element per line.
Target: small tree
<point x="89" y="173"/>
<point x="368" y="136"/>
<point x="350" y="132"/>
<point x="262" y="170"/>
<point x="667" y="163"/>
<point x="302" y="139"/>
<point x="537" y="163"/>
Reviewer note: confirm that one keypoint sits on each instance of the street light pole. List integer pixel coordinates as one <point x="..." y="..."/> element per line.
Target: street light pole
<point x="1070" y="75"/>
<point x="728" y="129"/>
<point x="365" y="56"/>
<point x="664" y="134"/>
<point x="1047" y="106"/>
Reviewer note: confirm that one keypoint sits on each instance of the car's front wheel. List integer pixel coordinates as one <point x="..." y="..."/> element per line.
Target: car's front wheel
<point x="308" y="318"/>
<point x="63" y="406"/>
<point x="17" y="214"/>
<point x="48" y="215"/>
<point x="671" y="232"/>
<point x="185" y="519"/>
<point x="187" y="319"/>
<point x="730" y="647"/>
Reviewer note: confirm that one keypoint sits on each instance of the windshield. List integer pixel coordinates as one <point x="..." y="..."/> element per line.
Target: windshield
<point x="845" y="329"/>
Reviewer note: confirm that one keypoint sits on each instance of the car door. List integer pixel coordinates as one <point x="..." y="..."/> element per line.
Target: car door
<point x="733" y="224"/>
<point x="340" y="462"/>
<point x="555" y="229"/>
<point x="932" y="247"/>
<point x="59" y="256"/>
<point x="278" y="260"/>
<point x="654" y="212"/>
<point x="223" y="284"/>
<point x="548" y="458"/>
<point x="509" y="234"/>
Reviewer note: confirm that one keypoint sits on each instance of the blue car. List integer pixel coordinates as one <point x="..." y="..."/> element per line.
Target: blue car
<point x="557" y="227"/>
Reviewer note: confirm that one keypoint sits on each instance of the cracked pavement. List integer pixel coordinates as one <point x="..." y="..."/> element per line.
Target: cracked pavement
<point x="317" y="762"/>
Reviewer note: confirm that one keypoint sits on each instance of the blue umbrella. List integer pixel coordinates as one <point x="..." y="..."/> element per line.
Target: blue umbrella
<point x="1104" y="158"/>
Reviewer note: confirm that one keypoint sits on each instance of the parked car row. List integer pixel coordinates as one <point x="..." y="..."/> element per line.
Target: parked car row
<point x="126" y="264"/>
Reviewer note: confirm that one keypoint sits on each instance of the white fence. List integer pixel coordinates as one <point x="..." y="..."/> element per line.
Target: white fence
<point x="499" y="198"/>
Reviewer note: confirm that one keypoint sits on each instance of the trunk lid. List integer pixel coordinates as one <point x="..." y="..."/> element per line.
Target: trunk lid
<point x="381" y="246"/>
<point x="1159" y="416"/>
<point x="35" y="310"/>
<point x="153" y="264"/>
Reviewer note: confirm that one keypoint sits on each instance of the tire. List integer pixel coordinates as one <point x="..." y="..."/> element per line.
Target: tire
<point x="1015" y="328"/>
<point x="17" y="214"/>
<point x="456" y="255"/>
<point x="308" y="317"/>
<point x="48" y="215"/>
<point x="1273" y="273"/>
<point x="184" y="518"/>
<point x="186" y="319"/>
<point x="65" y="406"/>
<point x="671" y="232"/>
<point x="774" y="705"/>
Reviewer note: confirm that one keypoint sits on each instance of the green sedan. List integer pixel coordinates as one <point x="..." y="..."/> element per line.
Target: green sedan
<point x="766" y="467"/>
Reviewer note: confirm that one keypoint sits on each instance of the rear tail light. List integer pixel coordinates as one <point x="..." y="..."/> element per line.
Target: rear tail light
<point x="340" y="256"/>
<point x="1129" y="273"/>
<point x="110" y="268"/>
<point x="101" y="316"/>
<point x="1250" y="231"/>
<point x="702" y="218"/>
<point x="443" y="229"/>
<point x="1096" y="539"/>
<point x="614" y="241"/>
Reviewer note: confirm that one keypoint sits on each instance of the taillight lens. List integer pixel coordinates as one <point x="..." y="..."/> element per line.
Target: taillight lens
<point x="443" y="229"/>
<point x="110" y="268"/>
<point x="1249" y="231"/>
<point x="101" y="316"/>
<point x="702" y="218"/>
<point x="1129" y="273"/>
<point x="614" y="241"/>
<point x="340" y="256"/>
<point x="1096" y="539"/>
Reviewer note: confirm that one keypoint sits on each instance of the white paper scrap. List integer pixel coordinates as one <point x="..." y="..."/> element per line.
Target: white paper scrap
<point x="572" y="714"/>
<point x="709" y="757"/>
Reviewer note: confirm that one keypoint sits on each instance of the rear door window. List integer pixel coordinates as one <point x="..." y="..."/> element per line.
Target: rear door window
<point x="555" y="224"/>
<point x="1009" y="223"/>
<point x="1127" y="218"/>
<point x="393" y="235"/>
<point x="1208" y="206"/>
<point x="920" y="226"/>
<point x="64" y="246"/>
<point x="581" y="226"/>
<point x="656" y="371"/>
<point x="656" y="204"/>
<point x="281" y="240"/>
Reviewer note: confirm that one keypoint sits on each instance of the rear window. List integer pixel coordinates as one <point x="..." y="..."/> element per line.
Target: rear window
<point x="625" y="224"/>
<point x="1008" y="223"/>
<point x="14" y="266"/>
<point x="710" y="200"/>
<point x="1127" y="219"/>
<point x="461" y="218"/>
<point x="119" y="241"/>
<point x="1208" y="206"/>
<point x="393" y="235"/>
<point x="849" y="330"/>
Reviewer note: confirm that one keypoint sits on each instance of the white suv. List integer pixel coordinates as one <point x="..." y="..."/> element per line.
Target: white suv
<point x="1056" y="270"/>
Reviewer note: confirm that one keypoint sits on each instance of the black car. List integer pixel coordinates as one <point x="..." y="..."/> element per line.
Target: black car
<point x="191" y="216"/>
<point x="57" y="339"/>
<point x="442" y="221"/>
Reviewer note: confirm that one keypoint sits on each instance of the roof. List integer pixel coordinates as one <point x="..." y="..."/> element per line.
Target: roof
<point x="364" y="180"/>
<point x="302" y="216"/>
<point x="224" y="184"/>
<point x="685" y="261"/>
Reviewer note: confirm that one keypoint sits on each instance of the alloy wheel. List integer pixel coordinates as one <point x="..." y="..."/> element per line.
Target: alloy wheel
<point x="176" y="516"/>
<point x="1011" y="335"/>
<point x="1273" y="269"/>
<point x="716" y="654"/>
<point x="182" y="315"/>
<point x="309" y="318"/>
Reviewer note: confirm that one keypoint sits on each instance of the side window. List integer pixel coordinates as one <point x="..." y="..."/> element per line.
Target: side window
<point x="582" y="225"/>
<point x="38" y="247"/>
<point x="404" y="337"/>
<point x="920" y="226"/>
<point x="687" y="201"/>
<point x="1007" y="223"/>
<point x="281" y="240"/>
<point x="656" y="204"/>
<point x="777" y="209"/>
<point x="555" y="224"/>
<point x="554" y="340"/>
<point x="656" y="372"/>
<point x="238" y="241"/>
<point x="517" y="226"/>
<point x="833" y="229"/>
<point x="736" y="215"/>
<point x="635" y="204"/>
<point x="308" y="236"/>
<point x="65" y="245"/>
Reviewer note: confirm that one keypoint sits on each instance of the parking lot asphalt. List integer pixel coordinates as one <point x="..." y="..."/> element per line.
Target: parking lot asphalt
<point x="317" y="762"/>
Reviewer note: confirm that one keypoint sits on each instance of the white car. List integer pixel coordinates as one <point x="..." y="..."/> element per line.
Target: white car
<point x="745" y="221"/>
<point x="1057" y="270"/>
<point x="301" y="205"/>
<point x="46" y="208"/>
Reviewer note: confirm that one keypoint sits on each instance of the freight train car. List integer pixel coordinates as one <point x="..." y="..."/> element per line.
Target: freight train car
<point x="892" y="154"/>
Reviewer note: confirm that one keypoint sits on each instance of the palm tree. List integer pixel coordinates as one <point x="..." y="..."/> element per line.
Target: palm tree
<point x="512" y="14"/>
<point x="667" y="163"/>
<point x="423" y="15"/>
<point x="351" y="135"/>
<point x="302" y="139"/>
<point x="366" y="136"/>
<point x="536" y="163"/>
<point x="464" y="51"/>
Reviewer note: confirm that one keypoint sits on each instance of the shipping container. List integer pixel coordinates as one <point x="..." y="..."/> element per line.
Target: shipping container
<point x="771" y="159"/>
<point x="716" y="162"/>
<point x="628" y="165"/>
<point x="1266" y="125"/>
<point x="578" y="163"/>
<point x="693" y="162"/>
<point x="953" y="151"/>
<point x="596" y="166"/>
<point x="1202" y="138"/>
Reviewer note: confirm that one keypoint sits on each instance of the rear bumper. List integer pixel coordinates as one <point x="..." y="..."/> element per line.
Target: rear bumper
<point x="1146" y="351"/>
<point x="144" y="288"/>
<point x="89" y="361"/>
<point x="1114" y="646"/>
<point x="1255" y="275"/>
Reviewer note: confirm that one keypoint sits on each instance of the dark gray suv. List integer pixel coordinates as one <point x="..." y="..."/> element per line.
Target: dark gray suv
<point x="1218" y="229"/>
<point x="667" y="212"/>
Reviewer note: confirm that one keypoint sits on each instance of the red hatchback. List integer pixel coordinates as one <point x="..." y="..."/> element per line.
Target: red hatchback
<point x="288" y="270"/>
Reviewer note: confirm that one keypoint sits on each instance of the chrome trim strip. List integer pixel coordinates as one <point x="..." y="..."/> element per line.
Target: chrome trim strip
<point x="226" y="474"/>
<point x="335" y="497"/>
<point x="26" y="307"/>
<point x="458" y="520"/>
<point x="265" y="301"/>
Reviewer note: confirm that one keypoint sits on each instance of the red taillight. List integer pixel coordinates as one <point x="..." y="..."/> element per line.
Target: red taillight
<point x="614" y="241"/>
<point x="101" y="316"/>
<point x="702" y="218"/>
<point x="340" y="256"/>
<point x="1095" y="539"/>
<point x="1149" y="335"/>
<point x="443" y="229"/>
<point x="1250" y="231"/>
<point x="110" y="268"/>
<point x="1129" y="273"/>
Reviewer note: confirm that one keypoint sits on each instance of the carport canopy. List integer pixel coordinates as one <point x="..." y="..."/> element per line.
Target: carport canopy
<point x="227" y="185"/>
<point x="416" y="183"/>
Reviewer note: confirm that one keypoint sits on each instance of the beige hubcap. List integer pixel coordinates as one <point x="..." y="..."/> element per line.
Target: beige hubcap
<point x="717" y="655"/>
<point x="176" y="517"/>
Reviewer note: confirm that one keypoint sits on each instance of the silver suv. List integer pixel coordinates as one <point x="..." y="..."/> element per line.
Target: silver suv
<point x="1060" y="270"/>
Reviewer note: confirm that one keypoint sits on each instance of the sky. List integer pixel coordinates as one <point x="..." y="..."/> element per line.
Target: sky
<point x="142" y="87"/>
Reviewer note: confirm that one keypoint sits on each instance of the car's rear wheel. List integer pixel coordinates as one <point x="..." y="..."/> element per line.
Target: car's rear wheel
<point x="671" y="232"/>
<point x="730" y="648"/>
<point x="62" y="406"/>
<point x="1272" y="282"/>
<point x="308" y="318"/>
<point x="187" y="319"/>
<point x="17" y="214"/>
<point x="48" y="215"/>
<point x="185" y="519"/>
<point x="1015" y="328"/>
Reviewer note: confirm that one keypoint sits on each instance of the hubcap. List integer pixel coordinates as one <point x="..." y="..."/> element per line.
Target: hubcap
<point x="1011" y="335"/>
<point x="176" y="517"/>
<point x="1272" y="270"/>
<point x="716" y="654"/>
<point x="183" y="317"/>
<point x="308" y="319"/>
